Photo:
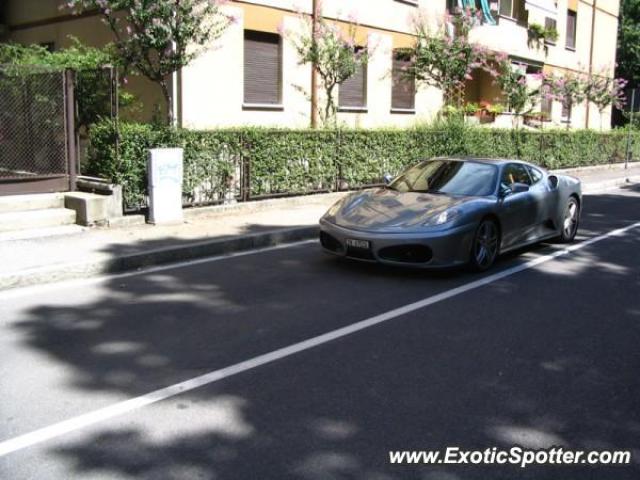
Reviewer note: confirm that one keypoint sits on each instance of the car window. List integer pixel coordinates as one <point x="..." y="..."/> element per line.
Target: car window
<point x="536" y="175"/>
<point x="454" y="177"/>
<point x="514" y="173"/>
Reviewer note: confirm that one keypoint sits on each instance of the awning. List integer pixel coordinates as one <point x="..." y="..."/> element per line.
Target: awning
<point x="548" y="7"/>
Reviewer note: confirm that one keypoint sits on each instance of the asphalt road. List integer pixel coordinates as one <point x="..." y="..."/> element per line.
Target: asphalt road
<point x="545" y="356"/>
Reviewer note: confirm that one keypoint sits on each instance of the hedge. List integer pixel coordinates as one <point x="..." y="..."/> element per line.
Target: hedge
<point x="252" y="163"/>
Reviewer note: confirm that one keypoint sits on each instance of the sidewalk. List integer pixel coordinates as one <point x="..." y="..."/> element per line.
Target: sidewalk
<point x="206" y="232"/>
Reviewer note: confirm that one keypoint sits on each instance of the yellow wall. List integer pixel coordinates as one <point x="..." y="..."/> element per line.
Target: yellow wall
<point x="91" y="31"/>
<point x="23" y="11"/>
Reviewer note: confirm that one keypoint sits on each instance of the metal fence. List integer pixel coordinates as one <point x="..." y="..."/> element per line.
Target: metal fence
<point x="41" y="124"/>
<point x="34" y="130"/>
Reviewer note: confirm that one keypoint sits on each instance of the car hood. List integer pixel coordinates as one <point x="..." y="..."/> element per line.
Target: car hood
<point x="389" y="210"/>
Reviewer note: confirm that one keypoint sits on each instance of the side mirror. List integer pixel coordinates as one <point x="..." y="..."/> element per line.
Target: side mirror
<point x="553" y="181"/>
<point x="519" y="188"/>
<point x="387" y="179"/>
<point x="505" y="191"/>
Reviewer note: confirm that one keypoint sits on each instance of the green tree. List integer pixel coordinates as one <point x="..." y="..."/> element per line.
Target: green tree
<point x="93" y="84"/>
<point x="159" y="37"/>
<point x="628" y="56"/>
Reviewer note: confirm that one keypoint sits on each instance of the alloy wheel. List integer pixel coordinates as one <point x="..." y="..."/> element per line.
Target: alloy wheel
<point x="570" y="224"/>
<point x="485" y="248"/>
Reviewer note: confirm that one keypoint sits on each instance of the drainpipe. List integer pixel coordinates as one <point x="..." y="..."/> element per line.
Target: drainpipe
<point x="315" y="16"/>
<point x="593" y="32"/>
<point x="175" y="78"/>
<point x="175" y="83"/>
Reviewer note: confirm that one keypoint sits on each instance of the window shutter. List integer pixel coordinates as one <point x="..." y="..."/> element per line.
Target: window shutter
<point x="262" y="68"/>
<point x="566" y="109"/>
<point x="353" y="91"/>
<point x="547" y="106"/>
<point x="571" y="28"/>
<point x="403" y="91"/>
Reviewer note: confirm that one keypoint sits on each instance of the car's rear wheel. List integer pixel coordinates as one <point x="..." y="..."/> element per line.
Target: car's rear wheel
<point x="486" y="243"/>
<point x="570" y="221"/>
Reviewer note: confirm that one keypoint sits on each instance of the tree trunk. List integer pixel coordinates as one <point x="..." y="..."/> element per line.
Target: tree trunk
<point x="330" y="108"/>
<point x="166" y="93"/>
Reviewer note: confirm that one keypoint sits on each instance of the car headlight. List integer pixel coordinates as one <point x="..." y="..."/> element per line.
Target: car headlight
<point x="334" y="209"/>
<point x="447" y="216"/>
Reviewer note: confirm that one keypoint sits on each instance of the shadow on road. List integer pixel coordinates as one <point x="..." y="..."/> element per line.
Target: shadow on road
<point x="514" y="366"/>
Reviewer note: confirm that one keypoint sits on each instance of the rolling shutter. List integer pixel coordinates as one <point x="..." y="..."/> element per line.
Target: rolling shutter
<point x="571" y="28"/>
<point x="262" y="68"/>
<point x="353" y="91"/>
<point x="403" y="90"/>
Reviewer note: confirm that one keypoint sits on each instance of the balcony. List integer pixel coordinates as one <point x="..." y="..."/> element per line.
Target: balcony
<point x="502" y="25"/>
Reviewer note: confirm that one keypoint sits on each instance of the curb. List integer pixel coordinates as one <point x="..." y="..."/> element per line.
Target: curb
<point x="610" y="184"/>
<point x="155" y="257"/>
<point x="596" y="168"/>
<point x="261" y="205"/>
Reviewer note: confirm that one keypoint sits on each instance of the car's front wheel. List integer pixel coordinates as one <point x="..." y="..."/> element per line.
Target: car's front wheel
<point x="570" y="221"/>
<point x="486" y="243"/>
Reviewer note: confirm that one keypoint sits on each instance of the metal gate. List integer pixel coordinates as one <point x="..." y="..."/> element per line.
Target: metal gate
<point x="38" y="151"/>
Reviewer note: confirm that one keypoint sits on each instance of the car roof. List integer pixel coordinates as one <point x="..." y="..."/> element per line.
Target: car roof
<point x="493" y="161"/>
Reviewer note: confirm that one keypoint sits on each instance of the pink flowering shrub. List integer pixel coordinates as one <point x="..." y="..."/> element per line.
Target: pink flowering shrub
<point x="445" y="58"/>
<point x="333" y="51"/>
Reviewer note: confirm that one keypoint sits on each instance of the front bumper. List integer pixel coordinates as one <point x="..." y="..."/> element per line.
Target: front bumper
<point x="437" y="249"/>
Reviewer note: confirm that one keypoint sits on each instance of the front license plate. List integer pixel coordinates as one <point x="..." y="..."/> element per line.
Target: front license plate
<point x="352" y="242"/>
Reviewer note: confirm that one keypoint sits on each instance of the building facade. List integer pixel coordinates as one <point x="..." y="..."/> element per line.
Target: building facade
<point x="252" y="76"/>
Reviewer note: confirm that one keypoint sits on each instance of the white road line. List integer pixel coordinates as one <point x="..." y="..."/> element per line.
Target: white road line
<point x="112" y="411"/>
<point x="93" y="280"/>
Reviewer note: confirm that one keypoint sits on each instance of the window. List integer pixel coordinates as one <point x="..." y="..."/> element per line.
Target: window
<point x="550" y="24"/>
<point x="403" y="89"/>
<point x="572" y="19"/>
<point x="513" y="9"/>
<point x="566" y="110"/>
<point x="453" y="177"/>
<point x="546" y="107"/>
<point x="506" y="8"/>
<point x="514" y="173"/>
<point x="352" y="94"/>
<point x="546" y="104"/>
<point x="536" y="175"/>
<point x="49" y="46"/>
<point x="262" y="69"/>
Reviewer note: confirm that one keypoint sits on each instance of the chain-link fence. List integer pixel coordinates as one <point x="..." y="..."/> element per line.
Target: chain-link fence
<point x="44" y="117"/>
<point x="33" y="123"/>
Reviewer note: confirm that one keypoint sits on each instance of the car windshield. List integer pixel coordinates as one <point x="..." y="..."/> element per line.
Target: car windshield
<point x="452" y="177"/>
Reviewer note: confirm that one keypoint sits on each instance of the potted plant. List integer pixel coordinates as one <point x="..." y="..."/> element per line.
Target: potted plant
<point x="450" y="111"/>
<point x="490" y="111"/>
<point x="471" y="109"/>
<point x="539" y="36"/>
<point x="550" y="35"/>
<point x="536" y="119"/>
<point x="471" y="112"/>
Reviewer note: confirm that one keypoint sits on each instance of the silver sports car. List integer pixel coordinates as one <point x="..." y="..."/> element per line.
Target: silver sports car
<point x="454" y="211"/>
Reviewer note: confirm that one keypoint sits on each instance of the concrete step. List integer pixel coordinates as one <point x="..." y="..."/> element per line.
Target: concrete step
<point x="22" y="203"/>
<point x="47" y="232"/>
<point x="34" y="219"/>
